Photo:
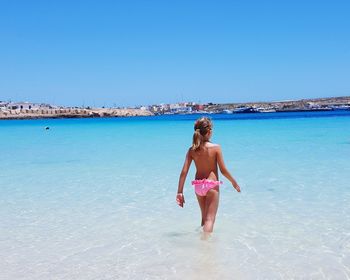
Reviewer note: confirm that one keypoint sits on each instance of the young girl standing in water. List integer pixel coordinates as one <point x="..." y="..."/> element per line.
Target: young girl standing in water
<point x="207" y="157"/>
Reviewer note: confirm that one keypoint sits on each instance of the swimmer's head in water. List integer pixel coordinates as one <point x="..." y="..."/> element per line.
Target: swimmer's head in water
<point x="202" y="132"/>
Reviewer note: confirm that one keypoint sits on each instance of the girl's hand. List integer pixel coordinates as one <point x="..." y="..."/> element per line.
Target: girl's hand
<point x="180" y="199"/>
<point x="238" y="189"/>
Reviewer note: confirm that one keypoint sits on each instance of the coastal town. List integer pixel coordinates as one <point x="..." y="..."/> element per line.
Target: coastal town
<point x="318" y="104"/>
<point x="28" y="110"/>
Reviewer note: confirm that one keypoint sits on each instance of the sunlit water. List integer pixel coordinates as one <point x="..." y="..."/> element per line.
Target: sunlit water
<point x="95" y="199"/>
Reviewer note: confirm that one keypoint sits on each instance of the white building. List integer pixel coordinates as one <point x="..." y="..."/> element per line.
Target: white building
<point x="180" y="108"/>
<point x="3" y="105"/>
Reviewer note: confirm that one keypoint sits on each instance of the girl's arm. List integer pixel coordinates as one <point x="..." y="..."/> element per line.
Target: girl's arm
<point x="224" y="171"/>
<point x="179" y="197"/>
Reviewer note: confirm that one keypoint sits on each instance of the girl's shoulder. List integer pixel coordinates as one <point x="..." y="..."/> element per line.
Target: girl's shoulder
<point x="212" y="145"/>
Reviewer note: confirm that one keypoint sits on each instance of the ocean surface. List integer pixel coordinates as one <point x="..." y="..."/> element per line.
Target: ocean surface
<point x="95" y="199"/>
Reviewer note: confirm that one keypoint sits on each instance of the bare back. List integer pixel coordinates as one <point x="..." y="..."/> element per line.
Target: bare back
<point x="205" y="160"/>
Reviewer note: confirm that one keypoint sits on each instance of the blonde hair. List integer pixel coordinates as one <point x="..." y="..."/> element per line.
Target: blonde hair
<point x="201" y="128"/>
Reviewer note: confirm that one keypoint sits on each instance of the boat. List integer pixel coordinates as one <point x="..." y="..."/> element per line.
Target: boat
<point x="241" y="110"/>
<point x="266" y="110"/>
<point x="226" y="111"/>
<point x="340" y="107"/>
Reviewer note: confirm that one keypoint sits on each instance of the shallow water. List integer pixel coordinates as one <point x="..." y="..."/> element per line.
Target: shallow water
<point x="95" y="199"/>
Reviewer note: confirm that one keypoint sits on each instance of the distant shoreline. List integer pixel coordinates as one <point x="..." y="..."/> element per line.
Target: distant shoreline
<point x="26" y="110"/>
<point x="43" y="117"/>
<point x="28" y="114"/>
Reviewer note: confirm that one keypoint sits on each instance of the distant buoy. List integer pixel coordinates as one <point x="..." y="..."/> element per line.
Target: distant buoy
<point x="47" y="128"/>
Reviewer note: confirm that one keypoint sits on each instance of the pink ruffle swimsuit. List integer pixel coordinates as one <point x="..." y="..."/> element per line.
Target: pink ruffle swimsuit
<point x="203" y="186"/>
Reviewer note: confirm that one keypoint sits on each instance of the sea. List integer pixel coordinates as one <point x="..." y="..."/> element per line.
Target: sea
<point x="95" y="198"/>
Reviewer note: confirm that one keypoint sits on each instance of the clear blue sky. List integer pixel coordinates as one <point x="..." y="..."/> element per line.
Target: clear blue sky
<point x="142" y="52"/>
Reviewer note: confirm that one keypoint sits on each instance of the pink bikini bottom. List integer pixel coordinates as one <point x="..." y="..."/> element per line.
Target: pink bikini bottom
<point x="203" y="186"/>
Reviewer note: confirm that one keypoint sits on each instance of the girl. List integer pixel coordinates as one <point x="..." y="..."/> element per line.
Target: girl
<point x="207" y="157"/>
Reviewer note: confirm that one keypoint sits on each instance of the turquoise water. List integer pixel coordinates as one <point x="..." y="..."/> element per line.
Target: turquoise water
<point x="95" y="199"/>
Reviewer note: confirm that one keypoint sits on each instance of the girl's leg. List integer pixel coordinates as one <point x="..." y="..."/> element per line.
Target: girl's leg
<point x="202" y="204"/>
<point x="211" y="207"/>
